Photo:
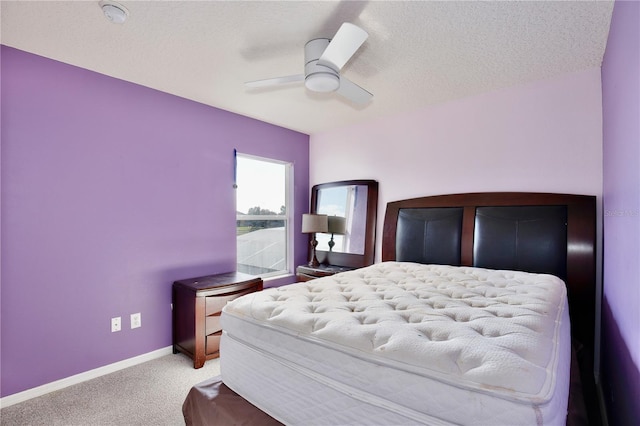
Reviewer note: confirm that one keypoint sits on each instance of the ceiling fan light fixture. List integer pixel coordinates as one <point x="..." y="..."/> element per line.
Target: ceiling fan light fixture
<point x="114" y="12"/>
<point x="323" y="60"/>
<point x="322" y="82"/>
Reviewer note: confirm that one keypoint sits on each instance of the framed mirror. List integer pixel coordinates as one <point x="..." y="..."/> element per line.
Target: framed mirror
<point x="351" y="207"/>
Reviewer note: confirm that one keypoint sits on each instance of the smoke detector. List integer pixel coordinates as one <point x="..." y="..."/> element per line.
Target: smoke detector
<point x="115" y="12"/>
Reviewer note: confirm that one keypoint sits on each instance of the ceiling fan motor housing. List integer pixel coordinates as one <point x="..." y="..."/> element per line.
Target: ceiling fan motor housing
<point x="319" y="78"/>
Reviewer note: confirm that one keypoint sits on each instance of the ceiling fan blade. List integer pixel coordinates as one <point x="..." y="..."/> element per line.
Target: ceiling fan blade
<point x="275" y="81"/>
<point x="344" y="44"/>
<point x="353" y="92"/>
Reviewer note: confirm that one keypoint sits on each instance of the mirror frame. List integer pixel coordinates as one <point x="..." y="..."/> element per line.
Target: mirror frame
<point x="349" y="259"/>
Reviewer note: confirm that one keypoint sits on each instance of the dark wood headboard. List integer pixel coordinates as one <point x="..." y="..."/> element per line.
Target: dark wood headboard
<point x="535" y="232"/>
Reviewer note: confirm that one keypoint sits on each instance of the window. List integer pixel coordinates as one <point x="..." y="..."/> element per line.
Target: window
<point x="263" y="204"/>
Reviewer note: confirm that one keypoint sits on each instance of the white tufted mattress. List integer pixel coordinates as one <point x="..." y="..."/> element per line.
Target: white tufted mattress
<point x="403" y="343"/>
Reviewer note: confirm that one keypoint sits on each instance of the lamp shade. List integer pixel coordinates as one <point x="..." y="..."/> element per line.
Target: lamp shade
<point x="337" y="225"/>
<point x="312" y="223"/>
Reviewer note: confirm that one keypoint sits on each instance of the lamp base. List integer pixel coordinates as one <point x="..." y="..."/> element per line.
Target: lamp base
<point x="314" y="260"/>
<point x="331" y="243"/>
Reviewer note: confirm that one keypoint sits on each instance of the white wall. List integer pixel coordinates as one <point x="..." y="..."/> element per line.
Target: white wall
<point x="545" y="136"/>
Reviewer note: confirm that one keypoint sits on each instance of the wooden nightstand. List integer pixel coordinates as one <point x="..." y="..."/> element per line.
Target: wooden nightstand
<point x="306" y="273"/>
<point x="197" y="305"/>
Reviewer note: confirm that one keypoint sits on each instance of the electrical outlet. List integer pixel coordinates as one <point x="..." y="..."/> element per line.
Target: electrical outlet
<point x="116" y="324"/>
<point x="136" y="320"/>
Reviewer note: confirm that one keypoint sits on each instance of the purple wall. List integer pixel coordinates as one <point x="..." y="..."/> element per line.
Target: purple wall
<point x="110" y="192"/>
<point x="620" y="376"/>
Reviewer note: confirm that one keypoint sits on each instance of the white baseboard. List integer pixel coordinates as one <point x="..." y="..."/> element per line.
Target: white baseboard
<point x="82" y="377"/>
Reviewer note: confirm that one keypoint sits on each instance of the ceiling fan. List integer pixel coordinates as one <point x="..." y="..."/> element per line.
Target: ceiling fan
<point x="323" y="59"/>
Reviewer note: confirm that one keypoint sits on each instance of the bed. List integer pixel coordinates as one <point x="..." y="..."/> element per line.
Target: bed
<point x="470" y="318"/>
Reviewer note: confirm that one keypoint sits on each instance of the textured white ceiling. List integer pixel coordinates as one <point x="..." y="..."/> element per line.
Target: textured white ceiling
<point x="418" y="52"/>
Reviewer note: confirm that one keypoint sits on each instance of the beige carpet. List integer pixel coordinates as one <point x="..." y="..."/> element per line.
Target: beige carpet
<point x="150" y="393"/>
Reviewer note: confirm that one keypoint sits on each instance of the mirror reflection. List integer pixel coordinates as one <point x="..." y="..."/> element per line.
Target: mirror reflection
<point x="346" y="208"/>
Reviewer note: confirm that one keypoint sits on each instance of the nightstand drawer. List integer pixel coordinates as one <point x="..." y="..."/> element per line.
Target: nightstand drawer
<point x="212" y="324"/>
<point x="304" y="277"/>
<point x="213" y="343"/>
<point x="307" y="273"/>
<point x="214" y="304"/>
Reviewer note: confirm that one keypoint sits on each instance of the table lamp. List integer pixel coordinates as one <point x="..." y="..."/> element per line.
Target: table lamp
<point x="311" y="224"/>
<point x="337" y="225"/>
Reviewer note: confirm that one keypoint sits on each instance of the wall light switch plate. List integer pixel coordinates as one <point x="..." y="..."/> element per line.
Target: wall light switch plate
<point x="136" y="320"/>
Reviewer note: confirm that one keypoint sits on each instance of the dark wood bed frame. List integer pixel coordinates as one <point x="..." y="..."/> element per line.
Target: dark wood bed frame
<point x="581" y="238"/>
<point x="580" y="272"/>
<point x="578" y="229"/>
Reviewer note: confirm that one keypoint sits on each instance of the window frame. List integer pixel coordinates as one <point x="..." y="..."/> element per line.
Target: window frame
<point x="288" y="216"/>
